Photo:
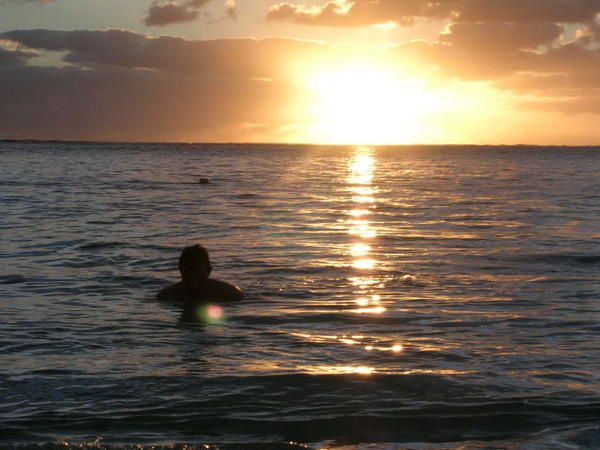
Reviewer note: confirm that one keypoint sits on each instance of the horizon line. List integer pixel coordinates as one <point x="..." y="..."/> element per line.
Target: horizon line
<point x="288" y="144"/>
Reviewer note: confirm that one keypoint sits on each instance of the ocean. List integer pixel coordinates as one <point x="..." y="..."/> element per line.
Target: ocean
<point x="396" y="297"/>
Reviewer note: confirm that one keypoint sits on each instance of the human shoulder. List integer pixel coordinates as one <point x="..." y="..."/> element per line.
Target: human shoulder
<point x="223" y="290"/>
<point x="173" y="293"/>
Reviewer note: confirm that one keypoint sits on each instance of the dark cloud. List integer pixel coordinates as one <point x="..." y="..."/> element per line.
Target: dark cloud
<point x="263" y="58"/>
<point x="13" y="57"/>
<point x="122" y="85"/>
<point x="370" y="12"/>
<point x="161" y="14"/>
<point x="116" y="104"/>
<point x="166" y="12"/>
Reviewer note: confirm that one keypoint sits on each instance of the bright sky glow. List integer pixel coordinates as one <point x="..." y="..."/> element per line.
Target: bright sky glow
<point x="371" y="105"/>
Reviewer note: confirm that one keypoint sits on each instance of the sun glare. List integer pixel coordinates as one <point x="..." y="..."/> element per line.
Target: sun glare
<point x="370" y="106"/>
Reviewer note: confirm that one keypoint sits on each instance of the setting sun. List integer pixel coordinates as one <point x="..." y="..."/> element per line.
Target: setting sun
<point x="370" y="105"/>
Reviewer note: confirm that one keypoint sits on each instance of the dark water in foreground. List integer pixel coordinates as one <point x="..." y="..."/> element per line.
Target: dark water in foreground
<point x="403" y="298"/>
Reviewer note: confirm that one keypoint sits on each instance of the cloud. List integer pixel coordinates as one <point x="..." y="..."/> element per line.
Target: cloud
<point x="168" y="12"/>
<point x="168" y="88"/>
<point x="54" y="103"/>
<point x="251" y="58"/>
<point x="14" y="56"/>
<point x="369" y="12"/>
<point x="562" y="77"/>
<point x="503" y="63"/>
<point x="356" y="13"/>
<point x="146" y="88"/>
<point x="161" y="14"/>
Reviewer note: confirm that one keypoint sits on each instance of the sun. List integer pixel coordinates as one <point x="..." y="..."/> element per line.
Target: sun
<point x="369" y="105"/>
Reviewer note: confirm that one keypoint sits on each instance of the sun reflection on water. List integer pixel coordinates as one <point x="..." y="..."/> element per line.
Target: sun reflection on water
<point x="360" y="249"/>
<point x="360" y="185"/>
<point x="364" y="264"/>
<point x="373" y="310"/>
<point x="358" y="212"/>
<point x="366" y="280"/>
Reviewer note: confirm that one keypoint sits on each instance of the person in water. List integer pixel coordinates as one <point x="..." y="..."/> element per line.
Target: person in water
<point x="196" y="286"/>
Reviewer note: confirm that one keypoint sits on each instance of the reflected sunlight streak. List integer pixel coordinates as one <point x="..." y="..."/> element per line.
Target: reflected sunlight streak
<point x="364" y="264"/>
<point x="374" y="310"/>
<point x="340" y="370"/>
<point x="360" y="249"/>
<point x="359" y="212"/>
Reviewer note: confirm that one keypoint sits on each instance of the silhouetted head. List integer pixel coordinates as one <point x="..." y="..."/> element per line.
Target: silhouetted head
<point x="194" y="265"/>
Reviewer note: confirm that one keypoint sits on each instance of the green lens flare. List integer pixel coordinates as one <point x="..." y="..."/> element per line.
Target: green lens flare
<point x="210" y="314"/>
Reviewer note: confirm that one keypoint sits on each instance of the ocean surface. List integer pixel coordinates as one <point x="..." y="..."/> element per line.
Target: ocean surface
<point x="408" y="297"/>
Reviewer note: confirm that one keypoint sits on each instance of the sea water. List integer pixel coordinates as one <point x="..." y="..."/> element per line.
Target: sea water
<point x="406" y="297"/>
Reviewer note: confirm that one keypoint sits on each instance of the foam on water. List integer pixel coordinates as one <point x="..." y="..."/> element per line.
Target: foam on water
<point x="396" y="297"/>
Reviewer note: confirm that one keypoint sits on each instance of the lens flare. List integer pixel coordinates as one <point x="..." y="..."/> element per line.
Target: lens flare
<point x="212" y="314"/>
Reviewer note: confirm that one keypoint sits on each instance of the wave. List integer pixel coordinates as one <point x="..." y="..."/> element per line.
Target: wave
<point x="101" y="245"/>
<point x="582" y="437"/>
<point x="290" y="407"/>
<point x="12" y="279"/>
<point x="565" y="258"/>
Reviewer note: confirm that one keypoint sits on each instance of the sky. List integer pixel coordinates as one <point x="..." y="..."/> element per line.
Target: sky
<point x="359" y="72"/>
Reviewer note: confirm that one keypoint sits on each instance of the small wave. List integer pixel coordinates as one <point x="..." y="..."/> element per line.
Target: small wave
<point x="12" y="279"/>
<point x="102" y="245"/>
<point x="566" y="259"/>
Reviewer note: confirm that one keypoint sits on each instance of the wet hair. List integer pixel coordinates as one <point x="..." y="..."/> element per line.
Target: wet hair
<point x="194" y="256"/>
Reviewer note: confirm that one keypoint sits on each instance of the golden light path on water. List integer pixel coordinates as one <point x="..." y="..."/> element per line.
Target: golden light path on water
<point x="366" y="282"/>
<point x="360" y="185"/>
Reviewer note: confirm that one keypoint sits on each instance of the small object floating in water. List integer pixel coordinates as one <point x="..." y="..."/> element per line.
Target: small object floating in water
<point x="203" y="181"/>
